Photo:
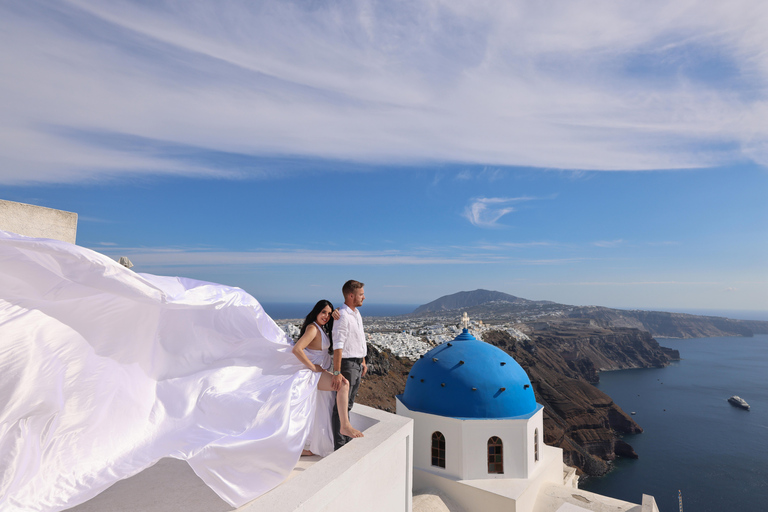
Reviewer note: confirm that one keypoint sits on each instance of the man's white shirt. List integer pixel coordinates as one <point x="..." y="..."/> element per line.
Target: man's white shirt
<point x="348" y="333"/>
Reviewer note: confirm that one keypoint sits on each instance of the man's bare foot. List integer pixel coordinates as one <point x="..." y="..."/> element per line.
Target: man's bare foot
<point x="306" y="452"/>
<point x="350" y="432"/>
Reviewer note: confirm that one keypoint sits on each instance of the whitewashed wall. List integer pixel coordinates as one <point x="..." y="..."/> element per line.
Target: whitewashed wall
<point x="37" y="221"/>
<point x="374" y="473"/>
<point x="466" y="443"/>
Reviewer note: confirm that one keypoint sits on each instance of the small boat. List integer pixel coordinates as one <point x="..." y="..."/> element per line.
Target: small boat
<point x="738" y="402"/>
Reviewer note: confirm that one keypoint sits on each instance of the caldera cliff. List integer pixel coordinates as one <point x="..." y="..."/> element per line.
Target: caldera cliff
<point x="562" y="360"/>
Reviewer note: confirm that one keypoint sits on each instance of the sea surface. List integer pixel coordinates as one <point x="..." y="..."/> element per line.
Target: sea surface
<point x="694" y="440"/>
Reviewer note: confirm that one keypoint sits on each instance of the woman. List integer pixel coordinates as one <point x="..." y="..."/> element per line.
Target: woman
<point x="312" y="350"/>
<point x="106" y="371"/>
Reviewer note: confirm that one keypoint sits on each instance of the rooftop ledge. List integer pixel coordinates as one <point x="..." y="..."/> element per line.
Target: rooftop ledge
<point x="375" y="470"/>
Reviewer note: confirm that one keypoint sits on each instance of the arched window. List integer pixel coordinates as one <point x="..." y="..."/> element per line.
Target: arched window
<point x="438" y="449"/>
<point x="495" y="456"/>
<point x="536" y="445"/>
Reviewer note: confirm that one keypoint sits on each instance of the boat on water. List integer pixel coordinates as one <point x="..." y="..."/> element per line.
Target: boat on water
<point x="738" y="402"/>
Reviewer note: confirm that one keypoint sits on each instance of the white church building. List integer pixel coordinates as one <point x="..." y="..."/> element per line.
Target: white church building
<point x="478" y="435"/>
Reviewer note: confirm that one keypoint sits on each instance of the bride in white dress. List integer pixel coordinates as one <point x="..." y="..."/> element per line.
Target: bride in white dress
<point x="312" y="350"/>
<point x="104" y="371"/>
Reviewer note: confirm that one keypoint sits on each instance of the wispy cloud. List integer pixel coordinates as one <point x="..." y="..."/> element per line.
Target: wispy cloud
<point x="503" y="246"/>
<point x="609" y="243"/>
<point x="628" y="283"/>
<point x="211" y="88"/>
<point x="166" y="257"/>
<point x="176" y="257"/>
<point x="485" y="212"/>
<point x="490" y="174"/>
<point x="620" y="242"/>
<point x="551" y="261"/>
<point x="662" y="244"/>
<point x="516" y="245"/>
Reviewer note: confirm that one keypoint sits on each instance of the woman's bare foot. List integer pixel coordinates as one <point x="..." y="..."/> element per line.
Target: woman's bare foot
<point x="350" y="432"/>
<point x="306" y="452"/>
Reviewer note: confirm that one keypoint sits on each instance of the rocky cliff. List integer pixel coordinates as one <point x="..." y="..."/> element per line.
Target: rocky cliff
<point x="561" y="362"/>
<point x="589" y="347"/>
<point x="578" y="417"/>
<point x="567" y="348"/>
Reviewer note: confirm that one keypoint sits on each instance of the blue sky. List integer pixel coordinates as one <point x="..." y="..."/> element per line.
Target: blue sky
<point x="586" y="153"/>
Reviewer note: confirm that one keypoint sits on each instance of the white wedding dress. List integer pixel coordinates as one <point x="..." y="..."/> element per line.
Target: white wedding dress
<point x="320" y="440"/>
<point x="104" y="371"/>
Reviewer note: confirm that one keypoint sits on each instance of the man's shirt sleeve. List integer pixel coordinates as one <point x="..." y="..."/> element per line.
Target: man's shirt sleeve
<point x="340" y="331"/>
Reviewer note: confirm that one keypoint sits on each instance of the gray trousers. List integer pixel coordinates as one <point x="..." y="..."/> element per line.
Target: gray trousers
<point x="352" y="370"/>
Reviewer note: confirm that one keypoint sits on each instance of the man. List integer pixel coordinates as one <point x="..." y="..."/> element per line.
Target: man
<point x="349" y="350"/>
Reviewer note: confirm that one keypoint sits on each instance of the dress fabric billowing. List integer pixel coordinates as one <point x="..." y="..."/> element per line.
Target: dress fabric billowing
<point x="320" y="439"/>
<point x="104" y="371"/>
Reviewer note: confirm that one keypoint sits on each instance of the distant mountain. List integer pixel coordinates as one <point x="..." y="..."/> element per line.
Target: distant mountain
<point x="663" y="324"/>
<point x="473" y="299"/>
<point x="499" y="307"/>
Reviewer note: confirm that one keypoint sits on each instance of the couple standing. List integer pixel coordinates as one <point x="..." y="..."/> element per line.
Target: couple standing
<point x="106" y="371"/>
<point x="344" y="327"/>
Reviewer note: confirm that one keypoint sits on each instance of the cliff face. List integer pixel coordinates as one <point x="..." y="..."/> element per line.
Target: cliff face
<point x="385" y="379"/>
<point x="578" y="417"/>
<point x="561" y="362"/>
<point x="586" y="346"/>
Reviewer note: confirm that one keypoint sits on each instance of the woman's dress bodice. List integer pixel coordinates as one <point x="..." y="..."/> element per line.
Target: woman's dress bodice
<point x="326" y="343"/>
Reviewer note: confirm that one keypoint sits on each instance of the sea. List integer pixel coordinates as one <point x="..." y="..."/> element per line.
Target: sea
<point x="694" y="441"/>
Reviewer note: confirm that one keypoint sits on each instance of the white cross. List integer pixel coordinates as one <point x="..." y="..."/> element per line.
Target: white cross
<point x="465" y="320"/>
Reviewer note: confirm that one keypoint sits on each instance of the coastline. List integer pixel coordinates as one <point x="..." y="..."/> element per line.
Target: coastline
<point x="684" y="412"/>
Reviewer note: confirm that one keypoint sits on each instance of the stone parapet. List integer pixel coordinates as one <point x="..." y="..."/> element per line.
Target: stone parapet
<point x="38" y="221"/>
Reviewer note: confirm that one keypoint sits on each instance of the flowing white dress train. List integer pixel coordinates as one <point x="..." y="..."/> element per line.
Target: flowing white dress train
<point x="320" y="440"/>
<point x="104" y="371"/>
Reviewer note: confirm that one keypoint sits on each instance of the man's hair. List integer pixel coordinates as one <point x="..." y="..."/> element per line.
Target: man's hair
<point x="350" y="286"/>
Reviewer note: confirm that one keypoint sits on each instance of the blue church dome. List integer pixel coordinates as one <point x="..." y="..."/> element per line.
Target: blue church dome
<point x="468" y="378"/>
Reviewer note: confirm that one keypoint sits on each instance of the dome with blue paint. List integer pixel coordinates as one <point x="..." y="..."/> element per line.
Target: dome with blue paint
<point x="468" y="378"/>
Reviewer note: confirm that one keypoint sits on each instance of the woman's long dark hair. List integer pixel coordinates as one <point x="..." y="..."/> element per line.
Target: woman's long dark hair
<point x="312" y="317"/>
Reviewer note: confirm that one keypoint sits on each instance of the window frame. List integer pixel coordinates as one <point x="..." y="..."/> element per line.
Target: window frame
<point x="495" y="455"/>
<point x="438" y="451"/>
